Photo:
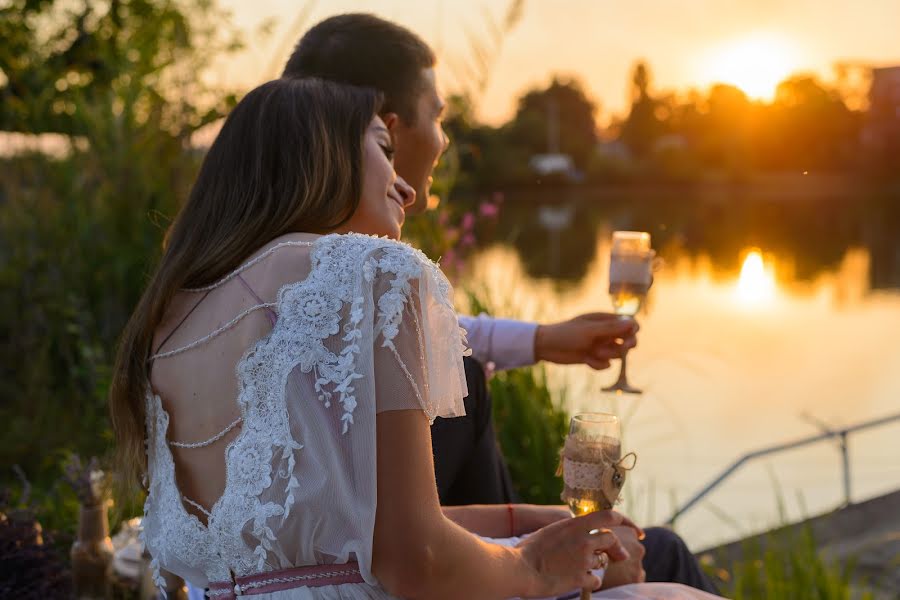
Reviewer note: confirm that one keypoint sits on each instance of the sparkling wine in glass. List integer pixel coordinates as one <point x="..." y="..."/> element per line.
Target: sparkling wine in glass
<point x="630" y="276"/>
<point x="591" y="465"/>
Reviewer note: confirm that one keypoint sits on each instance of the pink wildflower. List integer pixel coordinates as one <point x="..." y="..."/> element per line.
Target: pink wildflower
<point x="488" y="209"/>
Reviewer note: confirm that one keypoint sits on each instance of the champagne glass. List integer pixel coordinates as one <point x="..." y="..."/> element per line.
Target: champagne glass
<point x="591" y="466"/>
<point x="630" y="275"/>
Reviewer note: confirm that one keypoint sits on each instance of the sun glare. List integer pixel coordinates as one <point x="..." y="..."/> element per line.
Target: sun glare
<point x="756" y="284"/>
<point x="756" y="64"/>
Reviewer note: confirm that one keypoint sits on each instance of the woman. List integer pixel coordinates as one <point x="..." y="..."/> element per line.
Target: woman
<point x="339" y="348"/>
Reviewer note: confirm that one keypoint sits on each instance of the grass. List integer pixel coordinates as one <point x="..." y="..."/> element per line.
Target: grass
<point x="790" y="567"/>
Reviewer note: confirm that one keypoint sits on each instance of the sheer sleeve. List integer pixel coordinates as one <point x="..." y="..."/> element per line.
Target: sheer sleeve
<point x="419" y="345"/>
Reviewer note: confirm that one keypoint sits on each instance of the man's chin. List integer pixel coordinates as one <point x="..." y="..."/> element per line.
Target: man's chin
<point x="420" y="204"/>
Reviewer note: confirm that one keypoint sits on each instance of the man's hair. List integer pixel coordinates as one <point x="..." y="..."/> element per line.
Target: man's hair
<point x="365" y="50"/>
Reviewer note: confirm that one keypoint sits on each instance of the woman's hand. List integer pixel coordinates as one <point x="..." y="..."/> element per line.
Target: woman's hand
<point x="561" y="556"/>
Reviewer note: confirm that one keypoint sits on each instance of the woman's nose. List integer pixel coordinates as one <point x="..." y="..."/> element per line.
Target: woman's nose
<point x="406" y="191"/>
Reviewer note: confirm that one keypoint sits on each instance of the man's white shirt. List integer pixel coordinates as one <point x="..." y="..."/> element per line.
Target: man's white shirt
<point x="506" y="343"/>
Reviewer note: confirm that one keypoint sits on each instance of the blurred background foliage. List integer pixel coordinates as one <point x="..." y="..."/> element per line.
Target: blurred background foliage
<point x="83" y="210"/>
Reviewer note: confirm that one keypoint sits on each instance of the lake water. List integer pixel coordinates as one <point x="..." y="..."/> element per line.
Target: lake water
<point x="734" y="353"/>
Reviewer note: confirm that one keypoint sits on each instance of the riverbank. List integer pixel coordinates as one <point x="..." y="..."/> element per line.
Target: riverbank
<point x="865" y="535"/>
<point x="762" y="187"/>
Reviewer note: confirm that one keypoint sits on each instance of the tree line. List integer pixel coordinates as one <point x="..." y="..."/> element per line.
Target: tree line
<point x="666" y="137"/>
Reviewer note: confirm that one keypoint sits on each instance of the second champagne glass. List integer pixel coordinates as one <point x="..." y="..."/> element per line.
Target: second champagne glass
<point x="591" y="465"/>
<point x="630" y="276"/>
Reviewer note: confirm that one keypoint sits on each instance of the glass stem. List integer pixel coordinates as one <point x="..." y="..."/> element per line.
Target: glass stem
<point x="623" y="378"/>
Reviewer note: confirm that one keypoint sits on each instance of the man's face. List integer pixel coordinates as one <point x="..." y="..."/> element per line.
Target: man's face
<point x="419" y="145"/>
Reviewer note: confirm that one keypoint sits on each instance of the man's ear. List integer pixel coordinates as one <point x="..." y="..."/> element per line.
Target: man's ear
<point x="391" y="120"/>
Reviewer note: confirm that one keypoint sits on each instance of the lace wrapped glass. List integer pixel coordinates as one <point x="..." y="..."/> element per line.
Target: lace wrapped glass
<point x="592" y="465"/>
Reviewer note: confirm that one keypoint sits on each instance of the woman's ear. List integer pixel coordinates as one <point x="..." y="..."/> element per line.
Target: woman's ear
<point x="391" y="120"/>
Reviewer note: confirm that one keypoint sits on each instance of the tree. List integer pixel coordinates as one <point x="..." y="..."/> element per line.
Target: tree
<point x="807" y="127"/>
<point x="724" y="138"/>
<point x="559" y="118"/>
<point x="67" y="64"/>
<point x="644" y="125"/>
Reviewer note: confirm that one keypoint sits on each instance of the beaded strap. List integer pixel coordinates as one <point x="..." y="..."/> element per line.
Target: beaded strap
<point x="215" y="333"/>
<point x="197" y="506"/>
<point x="246" y="266"/>
<point x="211" y="440"/>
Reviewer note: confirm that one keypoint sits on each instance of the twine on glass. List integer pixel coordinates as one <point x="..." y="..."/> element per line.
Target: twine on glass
<point x="593" y="473"/>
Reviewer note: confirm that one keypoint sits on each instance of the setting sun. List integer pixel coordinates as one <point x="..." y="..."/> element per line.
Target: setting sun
<point x="755" y="64"/>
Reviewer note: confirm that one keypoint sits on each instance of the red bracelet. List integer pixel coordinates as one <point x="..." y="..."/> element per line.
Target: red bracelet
<point x="512" y="520"/>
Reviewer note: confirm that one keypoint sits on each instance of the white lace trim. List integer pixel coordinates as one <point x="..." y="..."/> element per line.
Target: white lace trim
<point x="309" y="313"/>
<point x="585" y="475"/>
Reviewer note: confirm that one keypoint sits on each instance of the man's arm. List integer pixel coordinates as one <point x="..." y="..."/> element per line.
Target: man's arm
<point x="592" y="339"/>
<point x="504" y="520"/>
<point x="505" y="342"/>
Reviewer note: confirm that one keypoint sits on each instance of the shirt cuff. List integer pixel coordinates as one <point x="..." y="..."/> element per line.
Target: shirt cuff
<point x="507" y="343"/>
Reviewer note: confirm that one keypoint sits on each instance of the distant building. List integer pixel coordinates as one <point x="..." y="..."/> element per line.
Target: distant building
<point x="547" y="164"/>
<point x="556" y="166"/>
<point x="881" y="132"/>
<point x="670" y="142"/>
<point x="614" y="149"/>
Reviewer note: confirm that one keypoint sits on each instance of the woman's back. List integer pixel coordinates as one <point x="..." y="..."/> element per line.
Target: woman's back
<point x="199" y="386"/>
<point x="281" y="363"/>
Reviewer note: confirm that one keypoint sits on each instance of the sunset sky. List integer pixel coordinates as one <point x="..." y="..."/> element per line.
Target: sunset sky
<point x="751" y="43"/>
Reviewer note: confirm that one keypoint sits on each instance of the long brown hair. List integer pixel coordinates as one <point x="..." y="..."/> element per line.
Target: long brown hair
<point x="288" y="159"/>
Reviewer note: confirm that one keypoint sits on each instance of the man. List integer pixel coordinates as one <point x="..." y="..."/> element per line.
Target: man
<point x="365" y="50"/>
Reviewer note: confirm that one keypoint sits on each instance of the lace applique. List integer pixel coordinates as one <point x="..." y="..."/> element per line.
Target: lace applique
<point x="393" y="301"/>
<point x="169" y="531"/>
<point x="155" y="574"/>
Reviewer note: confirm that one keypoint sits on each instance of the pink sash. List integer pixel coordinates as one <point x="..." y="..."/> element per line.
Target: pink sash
<point x="276" y="581"/>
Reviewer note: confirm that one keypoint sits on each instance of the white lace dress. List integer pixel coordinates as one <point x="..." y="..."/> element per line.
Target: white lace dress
<point x="356" y="325"/>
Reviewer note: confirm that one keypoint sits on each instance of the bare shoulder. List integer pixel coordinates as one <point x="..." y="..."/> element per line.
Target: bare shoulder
<point x="282" y="261"/>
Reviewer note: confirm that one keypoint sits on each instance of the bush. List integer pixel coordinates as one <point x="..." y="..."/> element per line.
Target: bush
<point x="531" y="429"/>
<point x="531" y="426"/>
<point x="80" y="230"/>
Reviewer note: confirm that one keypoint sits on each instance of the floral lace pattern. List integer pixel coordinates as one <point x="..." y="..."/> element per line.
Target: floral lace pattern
<point x="326" y="306"/>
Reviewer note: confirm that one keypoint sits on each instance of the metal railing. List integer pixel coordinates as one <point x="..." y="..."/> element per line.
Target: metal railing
<point x="827" y="435"/>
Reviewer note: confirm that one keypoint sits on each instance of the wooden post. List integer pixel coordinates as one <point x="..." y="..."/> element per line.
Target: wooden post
<point x="92" y="552"/>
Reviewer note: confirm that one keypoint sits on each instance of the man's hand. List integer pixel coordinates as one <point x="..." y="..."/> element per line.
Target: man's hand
<point x="629" y="570"/>
<point x="531" y="517"/>
<point x="592" y="339"/>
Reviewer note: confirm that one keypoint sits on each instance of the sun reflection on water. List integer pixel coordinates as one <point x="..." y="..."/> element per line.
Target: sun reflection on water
<point x="756" y="283"/>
